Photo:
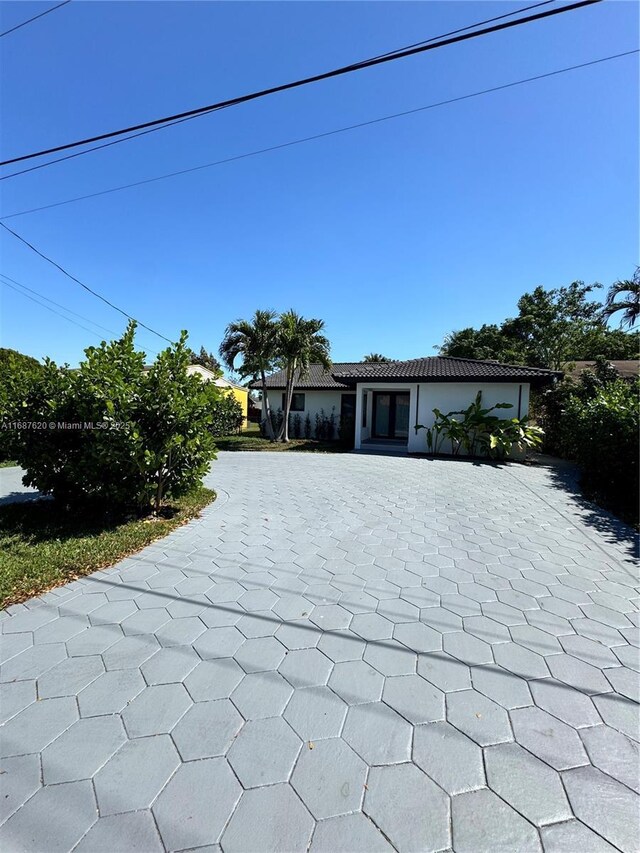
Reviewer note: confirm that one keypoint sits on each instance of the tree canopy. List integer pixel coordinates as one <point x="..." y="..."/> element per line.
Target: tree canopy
<point x="552" y="328"/>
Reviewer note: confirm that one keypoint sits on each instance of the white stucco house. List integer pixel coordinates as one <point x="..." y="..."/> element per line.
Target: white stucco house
<point x="387" y="400"/>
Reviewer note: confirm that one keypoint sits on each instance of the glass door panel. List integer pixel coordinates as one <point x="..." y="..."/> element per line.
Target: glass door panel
<point x="401" y="416"/>
<point x="382" y="419"/>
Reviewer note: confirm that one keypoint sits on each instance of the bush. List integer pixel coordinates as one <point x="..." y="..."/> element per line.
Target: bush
<point x="595" y="422"/>
<point x="226" y="411"/>
<point x="133" y="436"/>
<point x="18" y="373"/>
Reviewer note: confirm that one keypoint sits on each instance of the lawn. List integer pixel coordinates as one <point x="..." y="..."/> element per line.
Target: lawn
<point x="254" y="441"/>
<point x="42" y="546"/>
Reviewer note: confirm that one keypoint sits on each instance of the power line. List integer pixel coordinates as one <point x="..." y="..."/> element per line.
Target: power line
<point x="53" y="311"/>
<point x="320" y="135"/>
<point x="82" y="284"/>
<point x="35" y="18"/>
<point x="306" y="81"/>
<point x="64" y="307"/>
<point x="173" y="123"/>
<point x="53" y="302"/>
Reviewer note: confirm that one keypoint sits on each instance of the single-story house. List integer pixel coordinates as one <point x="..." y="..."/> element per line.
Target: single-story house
<point x="628" y="369"/>
<point x="385" y="401"/>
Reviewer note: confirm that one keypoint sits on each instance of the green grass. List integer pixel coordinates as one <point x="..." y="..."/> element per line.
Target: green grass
<point x="10" y="463"/>
<point x="254" y="441"/>
<point x="42" y="546"/>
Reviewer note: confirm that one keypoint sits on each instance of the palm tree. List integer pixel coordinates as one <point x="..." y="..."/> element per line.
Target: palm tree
<point x="300" y="343"/>
<point x="629" y="304"/>
<point x="255" y="342"/>
<point x="375" y="358"/>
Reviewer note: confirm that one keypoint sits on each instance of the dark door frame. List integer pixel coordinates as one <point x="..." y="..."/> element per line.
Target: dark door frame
<point x="392" y="413"/>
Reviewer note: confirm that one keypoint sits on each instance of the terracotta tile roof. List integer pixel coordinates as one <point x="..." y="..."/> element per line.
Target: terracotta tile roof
<point x="437" y="368"/>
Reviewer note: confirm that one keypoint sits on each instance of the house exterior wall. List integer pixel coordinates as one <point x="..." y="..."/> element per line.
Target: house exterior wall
<point x="314" y="403"/>
<point x="446" y="396"/>
<point x="453" y="396"/>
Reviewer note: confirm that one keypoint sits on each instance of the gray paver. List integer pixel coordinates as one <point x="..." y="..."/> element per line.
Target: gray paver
<point x="411" y="810"/>
<point x="35" y="727"/>
<point x="37" y="825"/>
<point x="353" y="833"/>
<point x="315" y="713"/>
<point x="414" y="698"/>
<point x="547" y="737"/>
<point x="483" y="823"/>
<point x="340" y="615"/>
<point x="270" y="819"/>
<point x="615" y="754"/>
<point x="329" y="778"/>
<point x="156" y="709"/>
<point x="378" y="734"/>
<point x="606" y="806"/>
<point x="573" y="835"/>
<point x="197" y="802"/>
<point x="526" y="783"/>
<point x="356" y="682"/>
<point x="213" y="679"/>
<point x="134" y="832"/>
<point x="207" y="729"/>
<point x="20" y="780"/>
<point x="135" y="775"/>
<point x="80" y="751"/>
<point x="264" y="752"/>
<point x="449" y="757"/>
<point x="479" y="717"/>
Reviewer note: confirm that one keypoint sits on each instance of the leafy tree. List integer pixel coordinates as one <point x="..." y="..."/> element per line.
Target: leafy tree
<point x="376" y="358"/>
<point x="226" y="412"/>
<point x="629" y="304"/>
<point x="254" y="342"/>
<point x="300" y="342"/>
<point x="18" y="373"/>
<point x="206" y="359"/>
<point x="133" y="435"/>
<point x="552" y="328"/>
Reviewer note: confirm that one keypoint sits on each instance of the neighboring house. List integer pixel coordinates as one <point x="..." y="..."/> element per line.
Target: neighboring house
<point x="239" y="392"/>
<point x="627" y="369"/>
<point x="385" y="401"/>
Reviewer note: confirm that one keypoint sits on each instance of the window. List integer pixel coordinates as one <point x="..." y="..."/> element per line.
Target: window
<point x="297" y="402"/>
<point x="364" y="410"/>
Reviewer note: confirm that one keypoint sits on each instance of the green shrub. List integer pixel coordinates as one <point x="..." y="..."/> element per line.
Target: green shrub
<point x="226" y="411"/>
<point x="18" y="373"/>
<point x="478" y="432"/>
<point x="595" y="422"/>
<point x="133" y="437"/>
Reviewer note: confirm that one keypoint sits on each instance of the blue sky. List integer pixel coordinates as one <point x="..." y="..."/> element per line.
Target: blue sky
<point x="393" y="234"/>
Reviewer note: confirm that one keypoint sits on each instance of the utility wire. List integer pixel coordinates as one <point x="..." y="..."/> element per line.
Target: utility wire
<point x="179" y="121"/>
<point x="306" y="81"/>
<point x="35" y="18"/>
<point x="82" y="284"/>
<point x="64" y="307"/>
<point x="53" y="302"/>
<point x="53" y="311"/>
<point x="319" y="135"/>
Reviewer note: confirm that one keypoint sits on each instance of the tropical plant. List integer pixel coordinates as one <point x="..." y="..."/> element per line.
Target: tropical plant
<point x="629" y="304"/>
<point x="307" y="426"/>
<point x="226" y="412"/>
<point x="119" y="435"/>
<point x="299" y="343"/>
<point x="255" y="343"/>
<point x="476" y="431"/>
<point x="375" y="358"/>
<point x="296" y="426"/>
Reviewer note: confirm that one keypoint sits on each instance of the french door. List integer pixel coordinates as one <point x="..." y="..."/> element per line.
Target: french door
<point x="390" y="414"/>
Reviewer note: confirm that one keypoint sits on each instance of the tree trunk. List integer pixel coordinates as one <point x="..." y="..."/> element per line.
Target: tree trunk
<point x="284" y="430"/>
<point x="265" y="400"/>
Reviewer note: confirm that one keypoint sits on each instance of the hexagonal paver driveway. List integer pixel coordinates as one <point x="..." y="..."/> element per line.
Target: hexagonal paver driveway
<point x="345" y="653"/>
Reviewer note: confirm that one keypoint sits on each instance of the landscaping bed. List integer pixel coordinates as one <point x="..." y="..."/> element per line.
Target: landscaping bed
<point x="43" y="546"/>
<point x="254" y="441"/>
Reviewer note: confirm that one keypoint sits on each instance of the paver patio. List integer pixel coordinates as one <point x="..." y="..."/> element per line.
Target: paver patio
<point x="346" y="653"/>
